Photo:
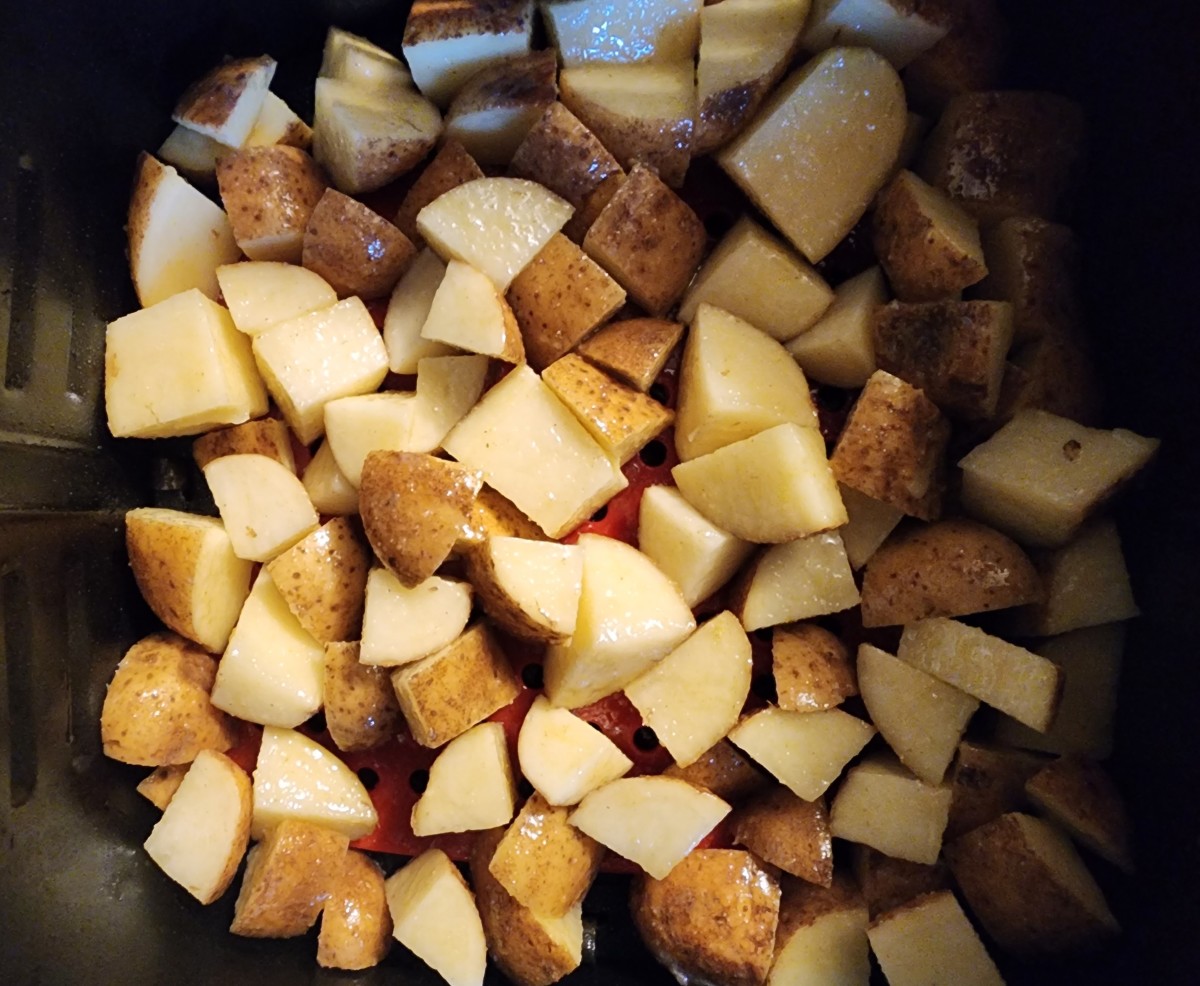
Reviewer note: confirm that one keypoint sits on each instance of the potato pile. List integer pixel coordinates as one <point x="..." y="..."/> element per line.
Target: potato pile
<point x="881" y="652"/>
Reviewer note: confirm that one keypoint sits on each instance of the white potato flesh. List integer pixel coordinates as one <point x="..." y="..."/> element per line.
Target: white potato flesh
<point x="470" y="785"/>
<point x="328" y="488"/>
<point x="840" y="349"/>
<point x="433" y="613"/>
<point x="563" y="756"/>
<point x="930" y="940"/>
<point x="408" y="308"/>
<point x="194" y="154"/>
<point x="278" y="123"/>
<point x="263" y="504"/>
<point x="871" y="521"/>
<point x="541" y="580"/>
<point x="447" y="388"/>
<point x="263" y="293"/>
<point x="589" y="31"/>
<point x="830" y="950"/>
<point x="297" y="778"/>
<point x="798" y="580"/>
<point x="893" y="28"/>
<point x="361" y="62"/>
<point x="239" y="89"/>
<point x="467" y="313"/>
<point x="364" y="423"/>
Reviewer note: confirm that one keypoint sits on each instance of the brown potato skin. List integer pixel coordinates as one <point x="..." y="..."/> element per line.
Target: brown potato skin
<point x="262" y="436"/>
<point x="887" y="882"/>
<point x="1081" y="797"/>
<point x="714" y="916"/>
<point x="951" y="567"/>
<point x="356" y="924"/>
<point x="724" y="770"/>
<point x="988" y="781"/>
<point x="493" y="514"/>
<point x="159" y="786"/>
<point x="354" y="248"/>
<point x="789" y="832"/>
<point x="269" y="194"/>
<point x="812" y="667"/>
<point x="969" y="58"/>
<point x="157" y="710"/>
<point x="634" y="349"/>
<point x="562" y="154"/>
<point x="209" y="101"/>
<point x="361" y="710"/>
<point x="803" y="903"/>
<point x="323" y="579"/>
<point x="450" y="167"/>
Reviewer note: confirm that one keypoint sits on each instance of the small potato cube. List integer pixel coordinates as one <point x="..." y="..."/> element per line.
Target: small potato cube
<point x="469" y="313"/>
<point x="353" y="248"/>
<point x="711" y="888"/>
<point x="988" y="781"/>
<point x="328" y="488"/>
<point x="559" y="298"/>
<point x="543" y="861"/>
<point x="952" y="350"/>
<point x="585" y="216"/>
<point x="264" y="293"/>
<point x="1027" y="144"/>
<point x="262" y="436"/>
<point x="323" y="579"/>
<point x="562" y="154"/>
<point x="494" y="515"/>
<point x="839" y="349"/>
<point x="799" y="579"/>
<point x="356" y="926"/>
<point x="269" y="193"/>
<point x="450" y="167"/>
<point x="1028" y="887"/>
<point x="433" y="613"/>
<point x="634" y="350"/>
<point x="361" y="710"/>
<point x="1079" y="796"/>
<point x="928" y="245"/>
<point x="408" y="308"/>
<point x="445" y="694"/>
<point x="263" y="504"/>
<point x="648" y="239"/>
<point x="870" y="523"/>
<point x="621" y="420"/>
<point x="930" y="940"/>
<point x="1040" y="476"/>
<point x="891" y="447"/>
<point x="887" y="882"/>
<point x="225" y="103"/>
<point x="788" y="832"/>
<point x="470" y="786"/>
<point x="1055" y="373"/>
<point x="812" y="668"/>
<point x="724" y="770"/>
<point x="898" y="30"/>
<point x="287" y="880"/>
<point x="529" y="588"/>
<point x="822" y="935"/>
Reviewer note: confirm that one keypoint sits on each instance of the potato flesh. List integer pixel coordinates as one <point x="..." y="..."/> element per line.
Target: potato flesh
<point x="470" y="785"/>
<point x="590" y="31"/>
<point x="931" y="940"/>
<point x="408" y="308"/>
<point x="840" y="348"/>
<point x="263" y="505"/>
<point x="434" y="612"/>
<point x="563" y="757"/>
<point x="797" y="580"/>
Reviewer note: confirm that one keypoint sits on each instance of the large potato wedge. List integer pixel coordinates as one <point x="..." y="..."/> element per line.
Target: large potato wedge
<point x="269" y="193"/>
<point x="356" y="926"/>
<point x="354" y="248"/>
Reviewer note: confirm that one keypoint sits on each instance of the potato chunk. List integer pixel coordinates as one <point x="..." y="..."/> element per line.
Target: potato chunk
<point x="930" y="940"/>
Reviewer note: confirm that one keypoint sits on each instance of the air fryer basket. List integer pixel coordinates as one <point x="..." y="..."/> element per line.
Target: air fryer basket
<point x="84" y="86"/>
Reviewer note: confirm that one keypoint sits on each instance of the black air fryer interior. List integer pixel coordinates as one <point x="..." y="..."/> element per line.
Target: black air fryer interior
<point x="84" y="86"/>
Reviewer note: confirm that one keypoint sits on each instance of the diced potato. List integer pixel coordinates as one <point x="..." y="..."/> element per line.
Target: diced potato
<point x="434" y="613"/>
<point x="493" y="111"/>
<point x="1055" y="373"/>
<point x="327" y="486"/>
<point x="562" y="154"/>
<point x="263" y="505"/>
<point x="261" y="436"/>
<point x="888" y="882"/>
<point x="450" y="167"/>
<point x="159" y="786"/>
<point x="469" y="313"/>
<point x="795" y="581"/>
<point x="839" y="349"/>
<point x="930" y="940"/>
<point x="822" y="936"/>
<point x="988" y="781"/>
<point x="361" y="711"/>
<point x="1040" y="476"/>
<point x="590" y="31"/>
<point x="634" y="349"/>
<point x="264" y="293"/>
<point x="968" y="59"/>
<point x="192" y="153"/>
<point x="354" y="248"/>
<point x="269" y="194"/>
<point x="725" y="771"/>
<point x="529" y="588"/>
<point x="277" y="123"/>
<point x="788" y="832"/>
<point x="356" y="927"/>
<point x="225" y="103"/>
<point x="870" y="523"/>
<point x="812" y="668"/>
<point x="358" y="425"/>
<point x="447" y="388"/>
<point x="408" y="308"/>
<point x="470" y="786"/>
<point x="882" y="805"/>
<point x="896" y="29"/>
<point x="1079" y="796"/>
<point x="563" y="757"/>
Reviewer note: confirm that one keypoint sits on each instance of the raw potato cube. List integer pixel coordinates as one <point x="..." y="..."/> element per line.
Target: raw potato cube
<point x="202" y="835"/>
<point x="578" y="225"/>
<point x="694" y="695"/>
<point x="648" y="239"/>
<point x="1007" y="677"/>
<point x="264" y="293"/>
<point x="269" y="193"/>
<point x="644" y="113"/>
<point x="544" y="861"/>
<point x="323" y="579"/>
<point x="951" y="567"/>
<point x="496" y="516"/>
<point x="277" y="123"/>
<point x="678" y="915"/>
<point x="1040" y="476"/>
<point x="447" y="388"/>
<point x="262" y="436"/>
<point x="821" y="147"/>
<point x="621" y="420"/>
<point x="756" y="277"/>
<point x="1026" y="143"/>
<point x="921" y="718"/>
<point x="354" y="248"/>
<point x="445" y="694"/>
<point x="297" y="779"/>
<point x="839" y="349"/>
<point x="531" y="448"/>
<point x="794" y="581"/>
<point x="774" y="487"/>
<point x="433" y="613"/>
<point x="361" y="711"/>
<point x="434" y="916"/>
<point x="1086" y="584"/>
<point x="470" y="786"/>
<point x="1028" y="887"/>
<point x="348" y="56"/>
<point x="286" y="882"/>
<point x="882" y="805"/>
<point x="563" y="757"/>
<point x="194" y="154"/>
<point x="888" y="882"/>
<point x="328" y="488"/>
<point x="263" y="505"/>
<point x="822" y="936"/>
<point x="497" y="225"/>
<point x="414" y="508"/>
<point x="315" y="358"/>
<point x="811" y="667"/>
<point x="1079" y="796"/>
<point x="271" y="670"/>
<point x="187" y="572"/>
<point x="952" y="350"/>
<point x="725" y="771"/>
<point x="987" y="782"/>
<point x="562" y="154"/>
<point x="929" y="940"/>
<point x="630" y="617"/>
<point x="408" y="308"/>
<point x="653" y="821"/>
<point x="446" y="43"/>
<point x="1090" y="660"/>
<point x="894" y="28"/>
<point x="870" y="523"/>
<point x="225" y="103"/>
<point x="178" y="368"/>
<point x="891" y="447"/>
<point x="928" y="245"/>
<point x="695" y="554"/>
<point x="157" y="709"/>
<point x="468" y="313"/>
<point x="634" y="350"/>
<point x="559" y="298"/>
<point x="361" y="424"/>
<point x="450" y="167"/>
<point x="788" y="832"/>
<point x="804" y="750"/>
<point x="356" y="927"/>
<point x="734" y="382"/>
<point x="530" y="589"/>
<point x="590" y="31"/>
<point x="159" y="786"/>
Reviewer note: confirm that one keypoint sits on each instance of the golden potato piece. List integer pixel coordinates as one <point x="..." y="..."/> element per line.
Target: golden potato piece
<point x="323" y="580"/>
<point x="634" y="349"/>
<point x="356" y="925"/>
<point x="287" y="880"/>
<point x="494" y="514"/>
<point x="887" y="882"/>
<point x="361" y="710"/>
<point x="562" y="154"/>
<point x="725" y="771"/>
<point x="713" y="917"/>
<point x="415" y="507"/>
<point x="948" y="568"/>
<point x="988" y="781"/>
<point x="225" y="103"/>
<point x="269" y="194"/>
<point x="157" y="709"/>
<point x="812" y="667"/>
<point x="354" y="248"/>
<point x="788" y="832"/>
<point x="1079" y="795"/>
<point x="450" y="167"/>
<point x="262" y="436"/>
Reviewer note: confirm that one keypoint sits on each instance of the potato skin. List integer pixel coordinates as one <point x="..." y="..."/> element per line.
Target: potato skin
<point x="356" y="925"/>
<point x="788" y="832"/>
<point x="725" y="771"/>
<point x="269" y="194"/>
<point x="157" y="709"/>
<point x="562" y="154"/>
<point x="949" y="568"/>
<point x="812" y="667"/>
<point x="361" y="710"/>
<point x="323" y="579"/>
<point x="354" y="248"/>
<point x="262" y="436"/>
<point x="714" y="916"/>
<point x="450" y="167"/>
